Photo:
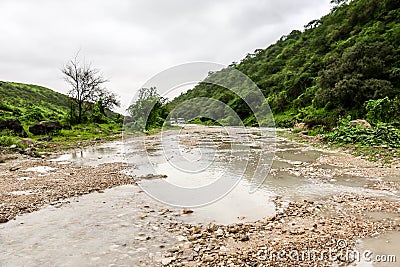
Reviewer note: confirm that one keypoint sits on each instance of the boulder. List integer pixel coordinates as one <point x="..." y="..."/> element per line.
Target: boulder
<point x="360" y="123"/>
<point x="45" y="127"/>
<point x="13" y="125"/>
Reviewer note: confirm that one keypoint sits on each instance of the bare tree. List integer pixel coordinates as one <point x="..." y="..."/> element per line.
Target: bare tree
<point x="86" y="84"/>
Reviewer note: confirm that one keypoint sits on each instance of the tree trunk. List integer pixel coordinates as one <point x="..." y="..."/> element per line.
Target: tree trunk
<point x="79" y="112"/>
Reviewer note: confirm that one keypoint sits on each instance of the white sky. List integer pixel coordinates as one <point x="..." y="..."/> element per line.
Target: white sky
<point x="132" y="40"/>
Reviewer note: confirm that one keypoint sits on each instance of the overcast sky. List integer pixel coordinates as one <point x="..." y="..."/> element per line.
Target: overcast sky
<point x="132" y="40"/>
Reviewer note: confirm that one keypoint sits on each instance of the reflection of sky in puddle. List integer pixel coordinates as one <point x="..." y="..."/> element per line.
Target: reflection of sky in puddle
<point x="40" y="169"/>
<point x="194" y="163"/>
<point x="25" y="178"/>
<point x="92" y="156"/>
<point x="387" y="244"/>
<point x="22" y="193"/>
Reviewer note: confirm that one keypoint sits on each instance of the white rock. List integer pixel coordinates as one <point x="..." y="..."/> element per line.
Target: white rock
<point x="166" y="261"/>
<point x="219" y="232"/>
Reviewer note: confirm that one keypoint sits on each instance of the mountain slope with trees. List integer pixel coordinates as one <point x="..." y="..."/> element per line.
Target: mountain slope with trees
<point x="345" y="63"/>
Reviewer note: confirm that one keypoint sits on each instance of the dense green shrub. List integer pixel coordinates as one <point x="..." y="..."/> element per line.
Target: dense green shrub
<point x="383" y="110"/>
<point x="381" y="135"/>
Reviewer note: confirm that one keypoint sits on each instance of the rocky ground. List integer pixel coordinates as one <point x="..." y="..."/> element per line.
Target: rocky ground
<point x="27" y="184"/>
<point x="331" y="224"/>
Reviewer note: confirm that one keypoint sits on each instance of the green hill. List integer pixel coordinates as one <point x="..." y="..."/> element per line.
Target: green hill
<point x="31" y="103"/>
<point x="337" y="66"/>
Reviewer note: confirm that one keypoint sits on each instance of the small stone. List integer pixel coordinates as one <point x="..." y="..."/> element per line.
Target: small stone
<point x="173" y="249"/>
<point x="15" y="168"/>
<point x="219" y="232"/>
<point x="244" y="238"/>
<point x="166" y="261"/>
<point x="208" y="258"/>
<point x="187" y="211"/>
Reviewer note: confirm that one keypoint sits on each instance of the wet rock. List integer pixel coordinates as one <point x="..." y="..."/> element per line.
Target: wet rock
<point x="187" y="211"/>
<point x="13" y="125"/>
<point x="244" y="238"/>
<point x="45" y="127"/>
<point x="15" y="168"/>
<point x="360" y="123"/>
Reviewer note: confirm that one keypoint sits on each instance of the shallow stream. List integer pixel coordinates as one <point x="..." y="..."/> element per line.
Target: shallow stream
<point x="95" y="226"/>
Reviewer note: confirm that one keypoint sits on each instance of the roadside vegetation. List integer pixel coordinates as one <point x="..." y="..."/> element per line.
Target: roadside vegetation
<point x="84" y="115"/>
<point x="148" y="112"/>
<point x="344" y="66"/>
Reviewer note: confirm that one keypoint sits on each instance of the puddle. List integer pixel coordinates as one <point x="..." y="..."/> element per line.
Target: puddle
<point x="383" y="250"/>
<point x="110" y="228"/>
<point x="40" y="169"/>
<point x="22" y="193"/>
<point x="25" y="178"/>
<point x="299" y="155"/>
<point x="93" y="156"/>
<point x="99" y="230"/>
<point x="198" y="159"/>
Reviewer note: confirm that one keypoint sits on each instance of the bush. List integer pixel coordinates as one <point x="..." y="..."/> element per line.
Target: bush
<point x="6" y="141"/>
<point x="381" y="135"/>
<point x="383" y="110"/>
<point x="35" y="114"/>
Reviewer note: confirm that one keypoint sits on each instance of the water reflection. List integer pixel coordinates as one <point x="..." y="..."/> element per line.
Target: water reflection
<point x="199" y="158"/>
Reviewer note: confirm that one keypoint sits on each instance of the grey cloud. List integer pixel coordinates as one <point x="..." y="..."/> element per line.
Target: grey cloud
<point x="130" y="41"/>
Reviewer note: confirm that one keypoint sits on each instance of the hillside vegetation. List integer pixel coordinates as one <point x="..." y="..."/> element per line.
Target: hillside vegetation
<point x="31" y="103"/>
<point x="345" y="63"/>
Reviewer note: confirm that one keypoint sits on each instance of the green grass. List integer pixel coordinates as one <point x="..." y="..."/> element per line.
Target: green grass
<point x="31" y="103"/>
<point x="7" y="140"/>
<point x="375" y="153"/>
<point x="81" y="135"/>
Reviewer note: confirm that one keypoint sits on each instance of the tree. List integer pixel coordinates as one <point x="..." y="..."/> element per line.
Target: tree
<point x="338" y="2"/>
<point x="149" y="110"/>
<point x="107" y="100"/>
<point x="85" y="82"/>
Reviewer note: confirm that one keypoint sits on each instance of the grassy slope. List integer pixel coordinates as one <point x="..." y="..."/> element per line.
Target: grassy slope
<point x="30" y="103"/>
